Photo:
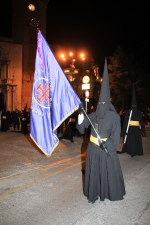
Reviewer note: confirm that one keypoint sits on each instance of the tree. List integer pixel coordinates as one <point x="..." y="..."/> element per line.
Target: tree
<point x="123" y="73"/>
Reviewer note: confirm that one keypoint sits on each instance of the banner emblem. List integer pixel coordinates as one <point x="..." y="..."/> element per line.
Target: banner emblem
<point x="41" y="92"/>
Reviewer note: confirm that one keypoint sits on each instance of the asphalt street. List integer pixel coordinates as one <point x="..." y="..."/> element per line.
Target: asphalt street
<point x="40" y="190"/>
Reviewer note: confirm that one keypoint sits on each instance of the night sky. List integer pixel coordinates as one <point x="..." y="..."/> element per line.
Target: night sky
<point x="95" y="25"/>
<point x="100" y="26"/>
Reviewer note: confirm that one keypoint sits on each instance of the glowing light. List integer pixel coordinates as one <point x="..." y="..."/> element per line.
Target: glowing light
<point x="87" y="93"/>
<point x="31" y="7"/>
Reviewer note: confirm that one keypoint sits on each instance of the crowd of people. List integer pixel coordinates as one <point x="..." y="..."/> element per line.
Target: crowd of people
<point x="68" y="130"/>
<point x="15" y="120"/>
<point x="20" y="120"/>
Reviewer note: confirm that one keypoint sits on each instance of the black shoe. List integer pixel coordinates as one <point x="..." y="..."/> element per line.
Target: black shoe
<point x="93" y="200"/>
<point x="71" y="140"/>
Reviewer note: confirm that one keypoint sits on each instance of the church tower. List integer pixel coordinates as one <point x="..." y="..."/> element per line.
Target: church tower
<point x="23" y="12"/>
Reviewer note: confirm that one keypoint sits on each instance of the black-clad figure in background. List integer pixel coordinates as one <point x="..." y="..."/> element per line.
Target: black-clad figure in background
<point x="70" y="131"/>
<point x="15" y="118"/>
<point x="9" y="118"/>
<point x="103" y="174"/>
<point x="24" y="121"/>
<point x="121" y="120"/>
<point x="133" y="126"/>
<point x="4" y="121"/>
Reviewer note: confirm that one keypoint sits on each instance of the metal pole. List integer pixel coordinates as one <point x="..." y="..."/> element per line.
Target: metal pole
<point x="99" y="138"/>
<point x="127" y="127"/>
<point x="86" y="104"/>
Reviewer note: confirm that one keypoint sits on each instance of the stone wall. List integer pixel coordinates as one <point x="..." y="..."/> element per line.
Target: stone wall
<point x="11" y="74"/>
<point x="29" y="54"/>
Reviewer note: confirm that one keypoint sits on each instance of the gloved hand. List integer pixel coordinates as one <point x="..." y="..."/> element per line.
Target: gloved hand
<point x="81" y="108"/>
<point x="80" y="118"/>
<point x="103" y="147"/>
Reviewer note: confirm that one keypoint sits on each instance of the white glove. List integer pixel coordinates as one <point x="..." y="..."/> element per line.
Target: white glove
<point x="80" y="118"/>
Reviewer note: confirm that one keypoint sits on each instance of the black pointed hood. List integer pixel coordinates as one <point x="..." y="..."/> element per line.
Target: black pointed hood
<point x="105" y="90"/>
<point x="24" y="111"/>
<point x="134" y="102"/>
<point x="104" y="103"/>
<point x="25" y="108"/>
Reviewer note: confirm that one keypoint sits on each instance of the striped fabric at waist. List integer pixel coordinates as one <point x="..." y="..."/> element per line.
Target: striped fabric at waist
<point x="134" y="123"/>
<point x="95" y="140"/>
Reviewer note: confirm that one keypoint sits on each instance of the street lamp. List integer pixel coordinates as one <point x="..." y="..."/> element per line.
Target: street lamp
<point x="31" y="7"/>
<point x="71" y="72"/>
<point x="82" y="56"/>
<point x="86" y="87"/>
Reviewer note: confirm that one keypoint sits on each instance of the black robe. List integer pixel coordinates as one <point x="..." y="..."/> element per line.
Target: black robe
<point x="103" y="174"/>
<point x="70" y="131"/>
<point x="24" y="123"/>
<point x="4" y="122"/>
<point x="133" y="145"/>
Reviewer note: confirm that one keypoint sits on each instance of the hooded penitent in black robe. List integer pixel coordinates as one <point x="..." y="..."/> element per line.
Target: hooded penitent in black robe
<point x="133" y="144"/>
<point x="4" y="121"/>
<point x="70" y="130"/>
<point x="103" y="174"/>
<point x="24" y="122"/>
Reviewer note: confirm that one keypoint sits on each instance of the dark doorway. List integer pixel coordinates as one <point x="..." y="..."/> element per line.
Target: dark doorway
<point x="1" y="101"/>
